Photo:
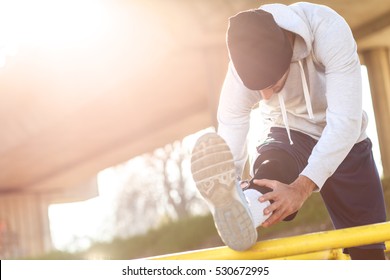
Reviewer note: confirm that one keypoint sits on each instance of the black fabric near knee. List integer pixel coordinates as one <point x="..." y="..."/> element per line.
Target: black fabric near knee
<point x="366" y="254"/>
<point x="275" y="165"/>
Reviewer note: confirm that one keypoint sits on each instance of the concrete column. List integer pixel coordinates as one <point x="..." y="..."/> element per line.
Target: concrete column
<point x="24" y="225"/>
<point x="24" y="217"/>
<point x="378" y="68"/>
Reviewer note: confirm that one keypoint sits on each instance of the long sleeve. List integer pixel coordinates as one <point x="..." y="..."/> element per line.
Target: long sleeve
<point x="335" y="48"/>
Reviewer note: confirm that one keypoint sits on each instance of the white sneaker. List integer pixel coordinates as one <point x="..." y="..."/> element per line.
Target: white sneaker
<point x="214" y="173"/>
<point x="256" y="207"/>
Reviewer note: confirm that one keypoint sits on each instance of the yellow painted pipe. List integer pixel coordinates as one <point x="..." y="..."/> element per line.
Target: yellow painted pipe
<point x="321" y="255"/>
<point x="295" y="245"/>
<point x="334" y="254"/>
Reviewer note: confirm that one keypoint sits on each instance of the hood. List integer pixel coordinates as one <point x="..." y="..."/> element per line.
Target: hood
<point x="293" y="19"/>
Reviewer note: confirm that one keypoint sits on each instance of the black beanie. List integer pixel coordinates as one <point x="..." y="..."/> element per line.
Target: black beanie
<point x="259" y="49"/>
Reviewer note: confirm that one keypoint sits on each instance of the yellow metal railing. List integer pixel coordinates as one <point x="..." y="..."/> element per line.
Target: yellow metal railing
<point x="320" y="245"/>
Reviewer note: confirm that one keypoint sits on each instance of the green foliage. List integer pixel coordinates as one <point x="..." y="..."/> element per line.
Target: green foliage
<point x="186" y="234"/>
<point x="57" y="255"/>
<point x="199" y="232"/>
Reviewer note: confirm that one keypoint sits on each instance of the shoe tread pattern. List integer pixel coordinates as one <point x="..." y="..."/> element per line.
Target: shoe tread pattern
<point x="213" y="171"/>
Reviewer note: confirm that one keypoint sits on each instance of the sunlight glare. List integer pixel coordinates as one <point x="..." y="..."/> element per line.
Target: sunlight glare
<point x="51" y="23"/>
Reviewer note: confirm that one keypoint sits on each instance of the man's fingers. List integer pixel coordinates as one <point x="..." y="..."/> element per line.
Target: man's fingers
<point x="271" y="208"/>
<point x="275" y="214"/>
<point x="273" y="219"/>
<point x="278" y="213"/>
<point x="267" y="196"/>
<point x="265" y="183"/>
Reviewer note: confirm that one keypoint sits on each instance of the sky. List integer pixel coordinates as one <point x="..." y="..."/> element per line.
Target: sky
<point x="74" y="225"/>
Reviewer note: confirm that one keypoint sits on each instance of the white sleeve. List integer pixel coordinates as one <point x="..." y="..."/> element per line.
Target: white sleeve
<point x="336" y="49"/>
<point x="235" y="104"/>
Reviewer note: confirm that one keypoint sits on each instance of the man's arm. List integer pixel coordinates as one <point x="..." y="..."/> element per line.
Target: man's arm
<point x="335" y="48"/>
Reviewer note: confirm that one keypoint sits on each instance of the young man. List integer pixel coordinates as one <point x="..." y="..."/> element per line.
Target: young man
<point x="300" y="63"/>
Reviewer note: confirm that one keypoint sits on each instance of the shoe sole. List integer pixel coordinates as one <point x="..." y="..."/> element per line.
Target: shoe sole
<point x="214" y="173"/>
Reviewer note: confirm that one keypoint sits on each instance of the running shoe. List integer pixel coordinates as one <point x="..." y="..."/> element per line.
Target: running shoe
<point x="214" y="173"/>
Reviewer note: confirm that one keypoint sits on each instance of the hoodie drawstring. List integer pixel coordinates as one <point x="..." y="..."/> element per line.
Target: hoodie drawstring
<point x="284" y="115"/>
<point x="306" y="91"/>
<point x="306" y="94"/>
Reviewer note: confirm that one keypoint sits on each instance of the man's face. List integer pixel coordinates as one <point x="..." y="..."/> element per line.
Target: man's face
<point x="268" y="92"/>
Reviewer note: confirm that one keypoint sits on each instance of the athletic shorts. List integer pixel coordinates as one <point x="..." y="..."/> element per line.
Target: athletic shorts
<point x="353" y="195"/>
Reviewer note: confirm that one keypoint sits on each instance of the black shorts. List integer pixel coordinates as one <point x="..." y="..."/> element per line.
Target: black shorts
<point x="353" y="195"/>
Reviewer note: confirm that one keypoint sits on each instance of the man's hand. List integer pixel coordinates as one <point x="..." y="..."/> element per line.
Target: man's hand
<point x="287" y="198"/>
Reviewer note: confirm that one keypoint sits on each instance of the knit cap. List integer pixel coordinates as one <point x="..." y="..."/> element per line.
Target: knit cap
<point x="259" y="49"/>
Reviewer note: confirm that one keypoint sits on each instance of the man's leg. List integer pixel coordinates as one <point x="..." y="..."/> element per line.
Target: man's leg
<point x="353" y="196"/>
<point x="366" y="254"/>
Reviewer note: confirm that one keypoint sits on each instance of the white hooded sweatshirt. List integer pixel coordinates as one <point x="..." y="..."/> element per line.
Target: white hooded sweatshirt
<point x="322" y="96"/>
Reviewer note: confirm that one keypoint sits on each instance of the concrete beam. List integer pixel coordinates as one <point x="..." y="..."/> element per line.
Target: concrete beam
<point x="378" y="68"/>
<point x="372" y="27"/>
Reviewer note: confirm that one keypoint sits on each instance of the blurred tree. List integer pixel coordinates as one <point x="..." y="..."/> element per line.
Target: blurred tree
<point x="157" y="188"/>
<point x="172" y="162"/>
